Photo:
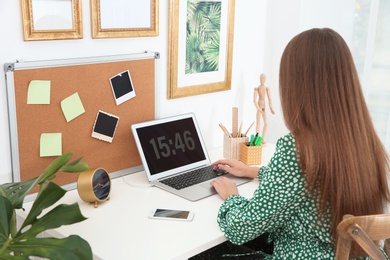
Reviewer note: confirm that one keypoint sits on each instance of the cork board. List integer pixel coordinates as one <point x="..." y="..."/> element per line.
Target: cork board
<point x="91" y="81"/>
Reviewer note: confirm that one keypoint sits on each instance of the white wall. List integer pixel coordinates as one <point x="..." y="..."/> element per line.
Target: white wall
<point x="282" y="24"/>
<point x="211" y="109"/>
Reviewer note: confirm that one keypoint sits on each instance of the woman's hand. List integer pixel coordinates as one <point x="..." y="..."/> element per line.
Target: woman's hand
<point x="236" y="168"/>
<point x="225" y="187"/>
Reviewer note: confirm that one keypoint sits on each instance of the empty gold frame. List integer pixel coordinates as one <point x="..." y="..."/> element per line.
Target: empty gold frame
<point x="124" y="18"/>
<point x="200" y="35"/>
<point x="51" y="19"/>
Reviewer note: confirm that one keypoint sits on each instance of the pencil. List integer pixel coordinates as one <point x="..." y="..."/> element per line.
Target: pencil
<point x="229" y="134"/>
<point x="249" y="128"/>
<point x="239" y="130"/>
<point x="224" y="130"/>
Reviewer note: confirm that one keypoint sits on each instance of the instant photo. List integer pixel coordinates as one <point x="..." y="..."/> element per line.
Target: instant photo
<point x="105" y="126"/>
<point x="122" y="87"/>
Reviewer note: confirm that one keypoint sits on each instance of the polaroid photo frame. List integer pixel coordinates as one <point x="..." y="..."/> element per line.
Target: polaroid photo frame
<point x="105" y="126"/>
<point x="122" y="87"/>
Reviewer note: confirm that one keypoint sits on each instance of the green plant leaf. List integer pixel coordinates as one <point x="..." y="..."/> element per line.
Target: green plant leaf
<point x="16" y="192"/>
<point x="14" y="257"/>
<point x="24" y="243"/>
<point x="46" y="198"/>
<point x="75" y="161"/>
<point x="2" y="191"/>
<point x="72" y="247"/>
<point x="80" y="167"/>
<point x="59" y="216"/>
<point x="6" y="212"/>
<point x="54" y="167"/>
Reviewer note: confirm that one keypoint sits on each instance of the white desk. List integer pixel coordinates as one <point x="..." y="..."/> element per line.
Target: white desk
<point x="120" y="228"/>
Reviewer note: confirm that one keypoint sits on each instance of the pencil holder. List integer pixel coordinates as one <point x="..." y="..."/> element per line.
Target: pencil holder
<point x="231" y="146"/>
<point x="250" y="155"/>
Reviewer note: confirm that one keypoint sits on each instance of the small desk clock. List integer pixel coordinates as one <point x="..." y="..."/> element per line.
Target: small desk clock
<point x="94" y="185"/>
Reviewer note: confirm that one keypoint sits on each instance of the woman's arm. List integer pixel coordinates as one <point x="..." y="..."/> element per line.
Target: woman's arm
<point x="280" y="193"/>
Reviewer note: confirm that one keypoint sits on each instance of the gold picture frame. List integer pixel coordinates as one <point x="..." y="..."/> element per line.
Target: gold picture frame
<point x="212" y="71"/>
<point x="140" y="19"/>
<point x="51" y="20"/>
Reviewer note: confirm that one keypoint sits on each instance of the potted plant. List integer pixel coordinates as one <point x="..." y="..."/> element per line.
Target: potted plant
<point x="24" y="242"/>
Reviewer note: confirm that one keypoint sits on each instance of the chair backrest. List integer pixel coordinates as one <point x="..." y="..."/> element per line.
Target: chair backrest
<point x="365" y="231"/>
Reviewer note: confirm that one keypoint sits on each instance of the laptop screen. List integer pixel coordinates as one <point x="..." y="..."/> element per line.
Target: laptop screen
<point x="170" y="145"/>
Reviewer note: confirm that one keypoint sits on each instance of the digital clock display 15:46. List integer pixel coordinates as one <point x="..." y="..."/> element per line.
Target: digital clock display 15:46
<point x="166" y="146"/>
<point x="170" y="145"/>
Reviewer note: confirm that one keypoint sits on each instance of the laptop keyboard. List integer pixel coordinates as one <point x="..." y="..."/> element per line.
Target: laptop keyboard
<point x="193" y="177"/>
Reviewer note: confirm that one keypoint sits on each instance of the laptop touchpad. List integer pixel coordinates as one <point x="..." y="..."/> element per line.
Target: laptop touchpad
<point x="207" y="185"/>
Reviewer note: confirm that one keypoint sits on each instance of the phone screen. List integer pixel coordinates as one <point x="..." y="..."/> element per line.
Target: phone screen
<point x="169" y="213"/>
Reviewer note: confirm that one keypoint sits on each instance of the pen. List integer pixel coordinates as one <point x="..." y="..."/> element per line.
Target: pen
<point x="251" y="140"/>
<point x="258" y="141"/>
<point x="254" y="139"/>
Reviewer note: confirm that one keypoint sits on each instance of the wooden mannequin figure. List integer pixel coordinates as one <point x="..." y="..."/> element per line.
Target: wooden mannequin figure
<point x="259" y="95"/>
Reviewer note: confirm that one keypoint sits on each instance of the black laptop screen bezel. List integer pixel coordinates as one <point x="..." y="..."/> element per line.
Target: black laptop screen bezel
<point x="177" y="142"/>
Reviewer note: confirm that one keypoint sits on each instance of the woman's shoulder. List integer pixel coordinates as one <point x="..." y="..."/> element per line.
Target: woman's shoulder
<point x="287" y="137"/>
<point x="287" y="142"/>
<point x="285" y="156"/>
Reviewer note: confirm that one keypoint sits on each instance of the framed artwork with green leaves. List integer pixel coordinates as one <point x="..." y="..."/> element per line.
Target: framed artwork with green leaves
<point x="200" y="47"/>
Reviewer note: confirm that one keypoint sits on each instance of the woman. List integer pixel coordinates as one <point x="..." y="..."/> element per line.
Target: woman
<point x="331" y="163"/>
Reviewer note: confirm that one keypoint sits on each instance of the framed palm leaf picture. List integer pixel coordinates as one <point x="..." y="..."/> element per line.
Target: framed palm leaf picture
<point x="200" y="47"/>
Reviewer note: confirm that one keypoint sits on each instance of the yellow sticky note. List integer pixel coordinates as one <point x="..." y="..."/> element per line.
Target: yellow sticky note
<point x="51" y="144"/>
<point x="38" y="92"/>
<point x="72" y="107"/>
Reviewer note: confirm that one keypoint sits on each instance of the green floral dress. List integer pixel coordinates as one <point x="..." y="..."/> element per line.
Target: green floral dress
<point x="282" y="206"/>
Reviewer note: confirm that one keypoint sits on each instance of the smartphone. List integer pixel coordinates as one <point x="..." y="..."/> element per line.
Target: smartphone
<point x="170" y="214"/>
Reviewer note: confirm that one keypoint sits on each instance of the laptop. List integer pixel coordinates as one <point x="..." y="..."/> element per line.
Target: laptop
<point x="172" y="149"/>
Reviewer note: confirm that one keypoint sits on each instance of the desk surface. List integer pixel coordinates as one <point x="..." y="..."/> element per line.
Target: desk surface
<point x="121" y="228"/>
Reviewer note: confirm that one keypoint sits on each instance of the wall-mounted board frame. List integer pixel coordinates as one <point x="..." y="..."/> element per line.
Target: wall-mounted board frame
<point x="51" y="20"/>
<point x="89" y="77"/>
<point x="124" y="18"/>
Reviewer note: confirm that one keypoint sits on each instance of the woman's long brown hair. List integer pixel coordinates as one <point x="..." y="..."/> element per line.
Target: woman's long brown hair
<point x="324" y="108"/>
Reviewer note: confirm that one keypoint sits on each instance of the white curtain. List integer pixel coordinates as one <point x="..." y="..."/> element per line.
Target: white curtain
<point x="365" y="26"/>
